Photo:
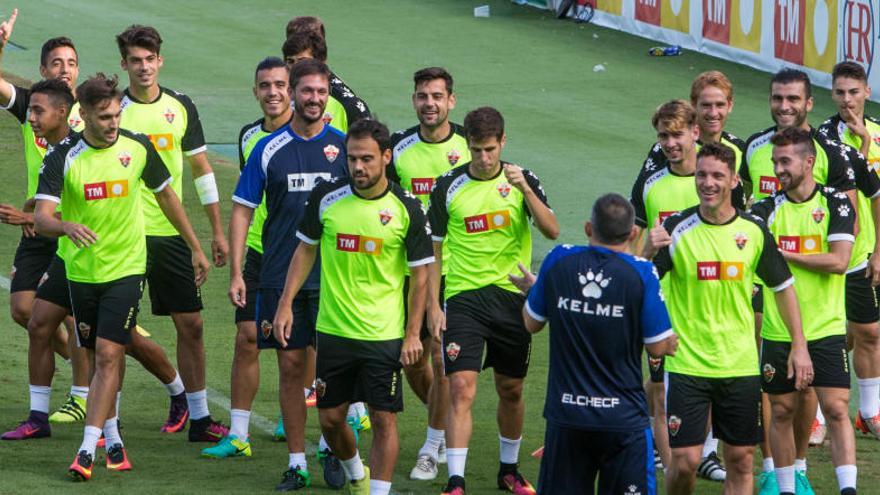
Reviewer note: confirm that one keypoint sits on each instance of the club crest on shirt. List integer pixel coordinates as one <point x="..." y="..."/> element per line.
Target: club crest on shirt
<point x="876" y="139"/>
<point x="769" y="372"/>
<point x="740" y="239"/>
<point x="320" y="387"/>
<point x="654" y="363"/>
<point x="453" y="156"/>
<point x="327" y="118"/>
<point x="674" y="424"/>
<point x="266" y="328"/>
<point x="74" y="121"/>
<point x="84" y="330"/>
<point x="331" y="152"/>
<point x="818" y="215"/>
<point x="169" y="115"/>
<point x="503" y="189"/>
<point x="385" y="216"/>
<point x="452" y="351"/>
<point x="124" y="158"/>
<point x="41" y="143"/>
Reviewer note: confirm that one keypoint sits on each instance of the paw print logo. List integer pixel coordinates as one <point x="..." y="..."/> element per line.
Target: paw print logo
<point x="843" y="210"/>
<point x="593" y="284"/>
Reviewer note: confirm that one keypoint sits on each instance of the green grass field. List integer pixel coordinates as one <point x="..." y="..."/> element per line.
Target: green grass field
<point x="583" y="132"/>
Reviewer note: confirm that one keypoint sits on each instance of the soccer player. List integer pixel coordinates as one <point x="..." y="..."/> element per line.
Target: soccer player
<point x="420" y="154"/>
<point x="712" y="253"/>
<point x="368" y="231"/>
<point x="851" y="126"/>
<point x="271" y="82"/>
<point x="98" y="176"/>
<point x="604" y="305"/>
<point x="482" y="211"/>
<point x="285" y="167"/>
<point x="171" y="121"/>
<point x="813" y="226"/>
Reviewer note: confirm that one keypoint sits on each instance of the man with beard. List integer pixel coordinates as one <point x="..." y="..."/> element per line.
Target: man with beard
<point x="420" y="154"/>
<point x="285" y="166"/>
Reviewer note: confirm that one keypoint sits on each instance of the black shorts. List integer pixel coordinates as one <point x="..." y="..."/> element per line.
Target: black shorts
<point x="107" y="310"/>
<point x="489" y="317"/>
<point x="32" y="258"/>
<point x="656" y="368"/>
<point x="305" y="315"/>
<point x="861" y="299"/>
<point x="53" y="286"/>
<point x="253" y="260"/>
<point x="758" y="299"/>
<point x="735" y="404"/>
<point x="170" y="276"/>
<point x="424" y="333"/>
<point x="830" y="364"/>
<point x="573" y="459"/>
<point x="351" y="370"/>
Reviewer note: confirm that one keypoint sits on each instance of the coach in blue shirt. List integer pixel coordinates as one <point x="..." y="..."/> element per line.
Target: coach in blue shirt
<point x="603" y="306"/>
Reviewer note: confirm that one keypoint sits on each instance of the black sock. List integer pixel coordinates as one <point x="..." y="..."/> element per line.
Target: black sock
<point x="848" y="491"/>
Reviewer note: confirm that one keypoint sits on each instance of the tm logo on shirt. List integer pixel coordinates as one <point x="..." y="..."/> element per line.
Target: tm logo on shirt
<point x="803" y="244"/>
<point x="720" y="270"/>
<point x="422" y="186"/>
<point x="104" y="190"/>
<point x="487" y="221"/>
<point x="353" y="243"/>
<point x="768" y="185"/>
<point x="305" y="182"/>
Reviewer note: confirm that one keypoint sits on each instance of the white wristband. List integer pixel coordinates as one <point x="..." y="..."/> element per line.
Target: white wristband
<point x="206" y="187"/>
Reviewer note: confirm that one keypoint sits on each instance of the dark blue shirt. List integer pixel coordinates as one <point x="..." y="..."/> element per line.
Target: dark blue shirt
<point x="286" y="168"/>
<point x="602" y="306"/>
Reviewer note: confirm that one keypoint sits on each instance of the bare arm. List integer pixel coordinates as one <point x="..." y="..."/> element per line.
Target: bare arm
<point x="411" y="350"/>
<point x="874" y="260"/>
<point x="5" y="33"/>
<point x="665" y="347"/>
<point x="239" y="221"/>
<point x="436" y="318"/>
<point x="48" y="224"/>
<point x="219" y="247"/>
<point x="836" y="260"/>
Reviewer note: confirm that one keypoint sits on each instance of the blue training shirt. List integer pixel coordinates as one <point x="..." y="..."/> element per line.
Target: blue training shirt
<point x="286" y="168"/>
<point x="602" y="306"/>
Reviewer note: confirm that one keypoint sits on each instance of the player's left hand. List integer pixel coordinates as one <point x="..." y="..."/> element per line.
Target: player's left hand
<point x="200" y="267"/>
<point x="219" y="250"/>
<point x="514" y="175"/>
<point x="13" y="216"/>
<point x="411" y="350"/>
<point x="525" y="282"/>
<point x="873" y="271"/>
<point x="800" y="367"/>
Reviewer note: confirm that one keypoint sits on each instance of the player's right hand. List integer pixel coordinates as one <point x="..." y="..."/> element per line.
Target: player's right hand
<point x="80" y="235"/>
<point x="13" y="216"/>
<point x="6" y="28"/>
<point x="800" y="367"/>
<point x="237" y="291"/>
<point x="658" y="238"/>
<point x="200" y="267"/>
<point x="283" y="324"/>
<point x="873" y="271"/>
<point x="436" y="320"/>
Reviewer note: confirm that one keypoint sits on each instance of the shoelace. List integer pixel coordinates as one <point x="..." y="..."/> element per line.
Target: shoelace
<point x="425" y="463"/>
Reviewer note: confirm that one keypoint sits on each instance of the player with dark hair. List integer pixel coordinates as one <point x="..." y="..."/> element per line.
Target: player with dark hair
<point x="420" y="154"/>
<point x="171" y="121"/>
<point x="368" y="231"/>
<point x="481" y="210"/>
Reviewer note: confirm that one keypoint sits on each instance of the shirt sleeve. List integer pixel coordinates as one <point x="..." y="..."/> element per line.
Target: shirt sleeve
<point x="841" y="220"/>
<point x="251" y="182"/>
<point x="762" y="209"/>
<point x="310" y="227"/>
<point x="534" y="183"/>
<point x="155" y="174"/>
<point x="18" y="103"/>
<point x="193" y="141"/>
<point x="663" y="258"/>
<point x="840" y="172"/>
<point x="772" y="268"/>
<point x="867" y="181"/>
<point x="438" y="215"/>
<point x="654" y="318"/>
<point x="51" y="176"/>
<point x="419" y="249"/>
<point x="355" y="108"/>
<point x="241" y="160"/>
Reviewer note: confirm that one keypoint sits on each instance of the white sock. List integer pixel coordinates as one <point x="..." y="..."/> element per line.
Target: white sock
<point x="361" y="408"/>
<point x="111" y="432"/>
<point x="767" y="465"/>
<point x="455" y="461"/>
<point x="306" y="392"/>
<point x="379" y="487"/>
<point x="118" y="400"/>
<point x="81" y="392"/>
<point x="819" y="416"/>
<point x="298" y="459"/>
<point x="433" y="441"/>
<point x="176" y="386"/>
<point x="322" y="444"/>
<point x="198" y="404"/>
<point x="710" y="445"/>
<point x="40" y="398"/>
<point x="800" y="465"/>
<point x="869" y="397"/>
<point x="846" y="476"/>
<point x="91" y="434"/>
<point x="509" y="450"/>
<point x="240" y="420"/>
<point x="785" y="479"/>
<point x="352" y="411"/>
<point x="354" y="468"/>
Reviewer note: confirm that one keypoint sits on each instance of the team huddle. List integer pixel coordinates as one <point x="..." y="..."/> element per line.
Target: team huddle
<point x="407" y="254"/>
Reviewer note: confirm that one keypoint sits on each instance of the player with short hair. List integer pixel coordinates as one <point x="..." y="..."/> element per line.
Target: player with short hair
<point x="369" y="230"/>
<point x="712" y="253"/>
<point x="171" y="121"/>
<point x="813" y="226"/>
<point x="420" y="154"/>
<point x="481" y="210"/>
<point x="303" y="23"/>
<point x="98" y="176"/>
<point x="284" y="168"/>
<point x="597" y="423"/>
<point x="851" y="126"/>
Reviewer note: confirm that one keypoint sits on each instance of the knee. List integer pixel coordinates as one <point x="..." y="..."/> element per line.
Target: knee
<point x="510" y="390"/>
<point x="332" y="419"/>
<point x="836" y="411"/>
<point x="106" y="361"/>
<point x="685" y="464"/>
<point x="190" y="327"/>
<point x="738" y="460"/>
<point x="866" y="335"/>
<point x="781" y="412"/>
<point x="246" y="337"/>
<point x="291" y="366"/>
<point x="383" y="422"/>
<point x="20" y="314"/>
<point x="38" y="331"/>
<point x="437" y="359"/>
